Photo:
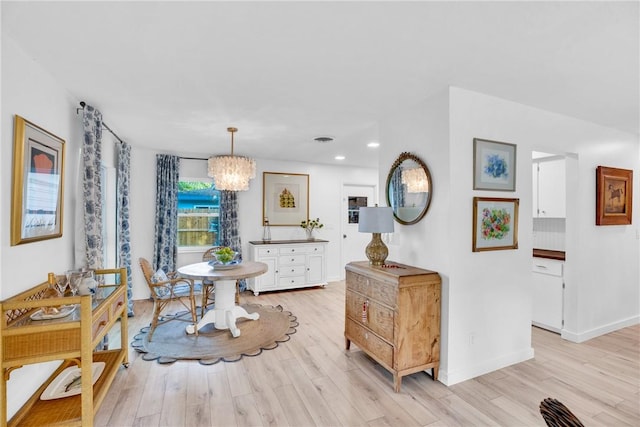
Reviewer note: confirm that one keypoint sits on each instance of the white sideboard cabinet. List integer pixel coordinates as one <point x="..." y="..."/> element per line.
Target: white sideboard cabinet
<point x="291" y="264"/>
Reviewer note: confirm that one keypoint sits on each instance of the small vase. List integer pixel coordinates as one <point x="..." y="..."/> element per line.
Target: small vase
<point x="309" y="232"/>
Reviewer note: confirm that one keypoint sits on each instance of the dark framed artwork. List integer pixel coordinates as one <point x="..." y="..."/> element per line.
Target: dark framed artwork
<point x="614" y="196"/>
<point x="37" y="184"/>
<point x="494" y="165"/>
<point x="285" y="198"/>
<point x="495" y="224"/>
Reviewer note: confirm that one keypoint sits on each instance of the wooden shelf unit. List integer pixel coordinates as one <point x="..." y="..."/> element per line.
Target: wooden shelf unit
<point x="72" y="339"/>
<point x="392" y="313"/>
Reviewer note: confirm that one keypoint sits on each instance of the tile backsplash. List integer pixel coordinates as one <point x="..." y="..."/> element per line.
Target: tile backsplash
<point x="549" y="233"/>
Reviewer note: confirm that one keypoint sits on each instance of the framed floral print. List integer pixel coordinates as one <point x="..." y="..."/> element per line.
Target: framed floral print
<point x="285" y="198"/>
<point x="614" y="196"/>
<point x="494" y="165"/>
<point x="495" y="224"/>
<point x="38" y="183"/>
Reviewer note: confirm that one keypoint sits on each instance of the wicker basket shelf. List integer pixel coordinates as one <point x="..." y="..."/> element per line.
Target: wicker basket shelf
<point x="71" y="339"/>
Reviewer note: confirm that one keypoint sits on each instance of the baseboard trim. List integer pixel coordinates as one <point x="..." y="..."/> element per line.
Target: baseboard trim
<point x="454" y="377"/>
<point x="602" y="330"/>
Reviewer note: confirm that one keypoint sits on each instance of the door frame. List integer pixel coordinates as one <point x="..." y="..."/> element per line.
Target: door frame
<point x="343" y="225"/>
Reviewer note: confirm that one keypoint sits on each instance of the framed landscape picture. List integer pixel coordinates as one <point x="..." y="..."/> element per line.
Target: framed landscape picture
<point x="614" y="196"/>
<point x="285" y="198"/>
<point x="495" y="224"/>
<point x="494" y="165"/>
<point x="38" y="183"/>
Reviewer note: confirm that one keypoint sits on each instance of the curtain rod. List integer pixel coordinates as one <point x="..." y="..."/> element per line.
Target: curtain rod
<point x="192" y="158"/>
<point x="82" y="104"/>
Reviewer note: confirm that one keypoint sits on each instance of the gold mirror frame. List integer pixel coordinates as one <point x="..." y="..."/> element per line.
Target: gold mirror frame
<point x="421" y="209"/>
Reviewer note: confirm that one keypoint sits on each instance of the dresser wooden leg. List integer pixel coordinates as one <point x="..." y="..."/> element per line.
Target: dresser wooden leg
<point x="397" y="381"/>
<point x="347" y="343"/>
<point x="434" y="372"/>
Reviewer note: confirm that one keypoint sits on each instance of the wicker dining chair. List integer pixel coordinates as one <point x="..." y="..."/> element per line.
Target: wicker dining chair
<point x="555" y="414"/>
<point x="167" y="288"/>
<point x="208" y="286"/>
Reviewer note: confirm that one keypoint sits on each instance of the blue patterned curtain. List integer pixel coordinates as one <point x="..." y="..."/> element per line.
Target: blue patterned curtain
<point x="398" y="188"/>
<point x="229" y="233"/>
<point x="92" y="185"/>
<point x="123" y="255"/>
<point x="166" y="230"/>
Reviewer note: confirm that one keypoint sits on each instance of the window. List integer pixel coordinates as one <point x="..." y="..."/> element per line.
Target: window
<point x="198" y="214"/>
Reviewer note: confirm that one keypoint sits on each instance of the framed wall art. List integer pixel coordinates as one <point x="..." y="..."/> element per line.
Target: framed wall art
<point x="285" y="198"/>
<point x="614" y="196"/>
<point x="494" y="165"/>
<point x="37" y="185"/>
<point x="495" y="224"/>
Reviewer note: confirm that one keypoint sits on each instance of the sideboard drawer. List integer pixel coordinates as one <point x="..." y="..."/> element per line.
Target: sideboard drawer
<point x="292" y="270"/>
<point x="369" y="342"/>
<point x="292" y="259"/>
<point x="117" y="306"/>
<point x="386" y="293"/>
<point x="291" y="281"/>
<point x="379" y="318"/>
<point x="267" y="252"/>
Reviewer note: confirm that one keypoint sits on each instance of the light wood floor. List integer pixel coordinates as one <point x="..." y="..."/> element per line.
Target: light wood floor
<point x="312" y="381"/>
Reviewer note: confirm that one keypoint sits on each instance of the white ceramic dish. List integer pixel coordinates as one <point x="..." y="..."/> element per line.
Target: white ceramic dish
<point x="65" y="310"/>
<point x="64" y="385"/>
<point x="216" y="265"/>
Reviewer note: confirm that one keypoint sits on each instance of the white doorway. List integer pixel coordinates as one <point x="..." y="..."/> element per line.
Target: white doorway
<point x="353" y="242"/>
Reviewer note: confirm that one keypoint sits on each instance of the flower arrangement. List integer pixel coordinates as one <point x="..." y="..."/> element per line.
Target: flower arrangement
<point x="311" y="224"/>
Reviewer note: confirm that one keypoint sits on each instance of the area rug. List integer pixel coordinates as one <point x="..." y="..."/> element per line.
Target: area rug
<point x="170" y="342"/>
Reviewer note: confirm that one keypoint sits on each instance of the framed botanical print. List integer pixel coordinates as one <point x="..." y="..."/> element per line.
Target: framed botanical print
<point x="494" y="165"/>
<point x="38" y="183"/>
<point x="495" y="224"/>
<point x="614" y="196"/>
<point x="285" y="198"/>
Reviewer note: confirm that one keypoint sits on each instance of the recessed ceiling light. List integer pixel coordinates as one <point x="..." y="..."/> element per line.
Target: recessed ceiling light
<point x="339" y="157"/>
<point x="373" y="144"/>
<point x="323" y="139"/>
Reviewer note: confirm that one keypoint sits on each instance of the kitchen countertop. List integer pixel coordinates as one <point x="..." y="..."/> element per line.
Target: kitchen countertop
<point x="546" y="253"/>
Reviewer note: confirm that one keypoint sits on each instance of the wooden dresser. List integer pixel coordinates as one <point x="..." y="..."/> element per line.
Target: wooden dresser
<point x="393" y="314"/>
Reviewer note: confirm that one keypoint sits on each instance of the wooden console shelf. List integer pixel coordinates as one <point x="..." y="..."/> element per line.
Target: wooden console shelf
<point x="72" y="339"/>
<point x="392" y="313"/>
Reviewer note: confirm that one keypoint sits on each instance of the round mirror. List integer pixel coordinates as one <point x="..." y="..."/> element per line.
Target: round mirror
<point x="409" y="189"/>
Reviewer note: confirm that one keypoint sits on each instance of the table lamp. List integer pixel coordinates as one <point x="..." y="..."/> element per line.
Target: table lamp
<point x="376" y="220"/>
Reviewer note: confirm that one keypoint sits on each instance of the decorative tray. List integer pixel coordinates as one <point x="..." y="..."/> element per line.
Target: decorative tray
<point x="68" y="382"/>
<point x="65" y="310"/>
<point x="216" y="265"/>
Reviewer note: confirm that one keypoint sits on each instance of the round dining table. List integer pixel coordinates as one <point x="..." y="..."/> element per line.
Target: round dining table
<point x="225" y="310"/>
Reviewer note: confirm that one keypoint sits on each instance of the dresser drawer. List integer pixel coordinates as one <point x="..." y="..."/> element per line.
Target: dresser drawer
<point x="117" y="306"/>
<point x="292" y="250"/>
<point x="291" y="281"/>
<point x="99" y="324"/>
<point x="379" y="317"/>
<point x="385" y="293"/>
<point x="292" y="259"/>
<point x="292" y="270"/>
<point x="262" y="252"/>
<point x="369" y="342"/>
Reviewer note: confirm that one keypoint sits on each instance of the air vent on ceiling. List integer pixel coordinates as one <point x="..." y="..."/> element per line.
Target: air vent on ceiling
<point x="323" y="139"/>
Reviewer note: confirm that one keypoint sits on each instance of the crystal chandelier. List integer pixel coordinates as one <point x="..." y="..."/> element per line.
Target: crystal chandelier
<point x="415" y="180"/>
<point x="232" y="173"/>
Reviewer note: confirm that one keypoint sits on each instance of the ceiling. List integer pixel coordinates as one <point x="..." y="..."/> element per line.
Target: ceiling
<point x="174" y="75"/>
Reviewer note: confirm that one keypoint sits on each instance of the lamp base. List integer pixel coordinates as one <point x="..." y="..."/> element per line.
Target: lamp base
<point x="376" y="250"/>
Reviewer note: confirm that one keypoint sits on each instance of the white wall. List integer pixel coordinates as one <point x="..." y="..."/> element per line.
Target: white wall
<point x="486" y="295"/>
<point x="325" y="189"/>
<point x="29" y="91"/>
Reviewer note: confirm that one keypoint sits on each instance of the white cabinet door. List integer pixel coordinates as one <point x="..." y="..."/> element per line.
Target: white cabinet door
<point x="315" y="268"/>
<point x="268" y="280"/>
<point x="551" y="189"/>
<point x="547" y="294"/>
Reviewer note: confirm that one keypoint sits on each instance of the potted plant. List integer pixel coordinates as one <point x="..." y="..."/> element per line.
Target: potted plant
<point x="310" y="225"/>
